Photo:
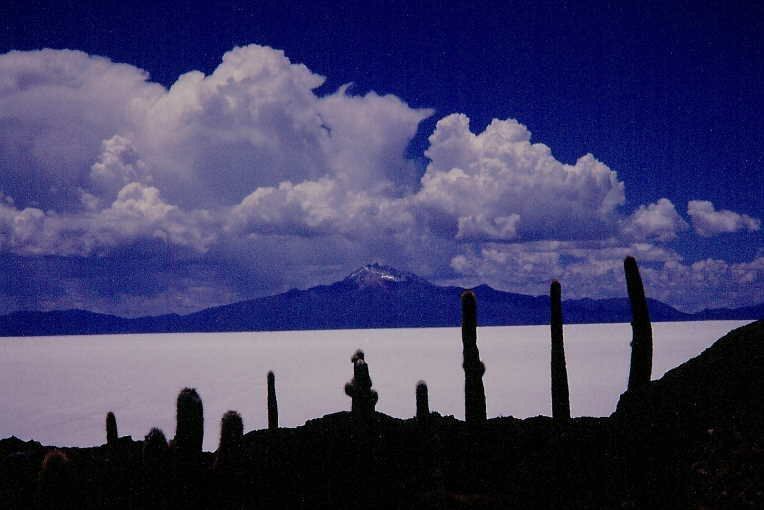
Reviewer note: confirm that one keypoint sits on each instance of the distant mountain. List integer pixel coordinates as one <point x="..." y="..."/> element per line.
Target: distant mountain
<point x="373" y="296"/>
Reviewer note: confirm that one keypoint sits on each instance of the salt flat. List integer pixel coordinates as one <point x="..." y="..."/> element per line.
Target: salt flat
<point x="57" y="390"/>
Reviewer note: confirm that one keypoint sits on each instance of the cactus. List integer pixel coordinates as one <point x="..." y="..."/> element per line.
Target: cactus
<point x="227" y="468"/>
<point x="560" y="397"/>
<point x="273" y="407"/>
<point x="54" y="484"/>
<point x="231" y="432"/>
<point x="111" y="429"/>
<point x="474" y="393"/>
<point x="642" y="339"/>
<point x="155" y="470"/>
<point x="189" y="432"/>
<point x="422" y="402"/>
<point x="154" y="446"/>
<point x="359" y="389"/>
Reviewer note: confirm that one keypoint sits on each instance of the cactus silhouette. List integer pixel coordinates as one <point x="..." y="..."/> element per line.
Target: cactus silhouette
<point x="189" y="432"/>
<point x="364" y="399"/>
<point x="227" y="469"/>
<point x="422" y="401"/>
<point x="154" y="457"/>
<point x="273" y="406"/>
<point x="154" y="446"/>
<point x="186" y="448"/>
<point x="642" y="339"/>
<point x="54" y="484"/>
<point x="560" y="397"/>
<point x="474" y="392"/>
<point x="231" y="432"/>
<point x="111" y="429"/>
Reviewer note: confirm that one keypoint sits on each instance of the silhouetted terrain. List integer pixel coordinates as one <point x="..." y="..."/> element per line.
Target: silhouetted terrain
<point x="372" y="297"/>
<point x="693" y="439"/>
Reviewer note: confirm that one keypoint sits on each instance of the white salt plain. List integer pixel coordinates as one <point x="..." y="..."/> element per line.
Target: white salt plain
<point x="57" y="390"/>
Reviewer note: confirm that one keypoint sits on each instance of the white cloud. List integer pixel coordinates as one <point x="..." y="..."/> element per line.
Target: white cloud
<point x="596" y="269"/>
<point x="499" y="184"/>
<point x="658" y="221"/>
<point x="708" y="283"/>
<point x="138" y="213"/>
<point x="248" y="167"/>
<point x="482" y="228"/>
<point x="118" y="164"/>
<point x="586" y="268"/>
<point x="708" y="222"/>
<point x="56" y="108"/>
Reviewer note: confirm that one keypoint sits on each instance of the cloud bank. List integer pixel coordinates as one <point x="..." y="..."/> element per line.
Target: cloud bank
<point x="707" y="221"/>
<point x="246" y="182"/>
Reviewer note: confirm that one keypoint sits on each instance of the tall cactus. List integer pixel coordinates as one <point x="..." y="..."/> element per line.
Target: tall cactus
<point x="642" y="339"/>
<point x="364" y="399"/>
<point x="474" y="393"/>
<point x="111" y="429"/>
<point x="273" y="407"/>
<point x="227" y="469"/>
<point x="154" y="461"/>
<point x="422" y="402"/>
<point x="189" y="432"/>
<point x="560" y="397"/>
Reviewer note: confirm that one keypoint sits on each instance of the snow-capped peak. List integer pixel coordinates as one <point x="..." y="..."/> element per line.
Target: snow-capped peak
<point x="379" y="275"/>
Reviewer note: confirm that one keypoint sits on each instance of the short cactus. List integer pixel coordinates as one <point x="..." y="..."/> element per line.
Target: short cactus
<point x="189" y="432"/>
<point x="642" y="339"/>
<point x="560" y="397"/>
<point x="54" y="484"/>
<point x="231" y="433"/>
<point x="422" y="401"/>
<point x="111" y="429"/>
<point x="154" y="446"/>
<point x="359" y="389"/>
<point x="474" y="392"/>
<point x="273" y="407"/>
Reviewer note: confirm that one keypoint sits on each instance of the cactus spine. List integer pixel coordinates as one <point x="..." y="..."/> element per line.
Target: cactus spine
<point x="422" y="402"/>
<point x="111" y="429"/>
<point x="359" y="389"/>
<point x="273" y="407"/>
<point x="474" y="392"/>
<point x="642" y="340"/>
<point x="189" y="432"/>
<point x="560" y="397"/>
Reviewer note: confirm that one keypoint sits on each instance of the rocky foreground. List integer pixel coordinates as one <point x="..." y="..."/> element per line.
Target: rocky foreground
<point x="693" y="439"/>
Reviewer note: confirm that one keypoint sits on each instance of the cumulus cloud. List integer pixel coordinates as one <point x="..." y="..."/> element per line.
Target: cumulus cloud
<point x="56" y="109"/>
<point x="658" y="221"/>
<point x="586" y="267"/>
<point x="596" y="269"/>
<point x="248" y="171"/>
<point x="118" y="164"/>
<point x="137" y="213"/>
<point x="498" y="185"/>
<point x="707" y="221"/>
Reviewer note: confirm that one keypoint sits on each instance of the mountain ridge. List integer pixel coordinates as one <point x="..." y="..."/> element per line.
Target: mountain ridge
<point x="373" y="296"/>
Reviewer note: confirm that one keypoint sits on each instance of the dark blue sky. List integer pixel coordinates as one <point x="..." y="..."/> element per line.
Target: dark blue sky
<point x="667" y="94"/>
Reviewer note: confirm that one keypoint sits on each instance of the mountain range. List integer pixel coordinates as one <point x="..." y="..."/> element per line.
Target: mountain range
<point x="373" y="296"/>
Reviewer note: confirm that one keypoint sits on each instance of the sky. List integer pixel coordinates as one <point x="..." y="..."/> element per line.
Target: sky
<point x="167" y="158"/>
